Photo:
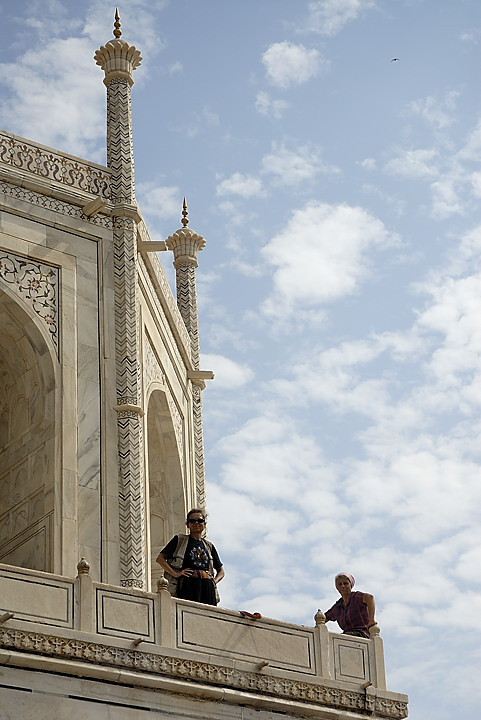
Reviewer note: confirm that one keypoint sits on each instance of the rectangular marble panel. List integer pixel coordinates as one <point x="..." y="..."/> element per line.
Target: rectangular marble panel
<point x="282" y="645"/>
<point x="30" y="548"/>
<point x="351" y="659"/>
<point x="37" y="598"/>
<point x="123" y="615"/>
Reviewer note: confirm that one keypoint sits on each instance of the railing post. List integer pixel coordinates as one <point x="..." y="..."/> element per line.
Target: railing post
<point x="86" y="597"/>
<point x="378" y="652"/>
<point x="321" y="635"/>
<point x="167" y="614"/>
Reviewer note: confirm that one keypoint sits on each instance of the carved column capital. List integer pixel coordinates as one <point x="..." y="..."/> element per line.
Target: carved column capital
<point x="185" y="244"/>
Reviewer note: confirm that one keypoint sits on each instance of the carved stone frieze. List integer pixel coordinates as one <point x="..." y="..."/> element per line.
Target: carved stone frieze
<point x="206" y="672"/>
<point x="37" y="284"/>
<point x="50" y="165"/>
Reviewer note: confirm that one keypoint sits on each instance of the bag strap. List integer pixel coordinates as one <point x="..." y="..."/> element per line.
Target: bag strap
<point x="179" y="553"/>
<point x="208" y="547"/>
<point x="178" y="557"/>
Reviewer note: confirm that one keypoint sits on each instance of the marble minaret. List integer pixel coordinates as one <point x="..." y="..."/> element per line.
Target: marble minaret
<point x="185" y="244"/>
<point x="118" y="60"/>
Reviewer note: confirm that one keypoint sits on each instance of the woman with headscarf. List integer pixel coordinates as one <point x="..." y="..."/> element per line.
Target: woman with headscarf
<point x="354" y="611"/>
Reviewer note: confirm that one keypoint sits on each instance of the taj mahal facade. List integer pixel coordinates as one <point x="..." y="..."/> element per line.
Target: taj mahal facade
<point x="102" y="454"/>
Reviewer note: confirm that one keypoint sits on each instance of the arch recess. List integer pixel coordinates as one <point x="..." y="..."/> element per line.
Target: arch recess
<point x="166" y="497"/>
<point x="27" y="438"/>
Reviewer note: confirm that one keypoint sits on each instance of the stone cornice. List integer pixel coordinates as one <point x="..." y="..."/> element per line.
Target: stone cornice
<point x="374" y="702"/>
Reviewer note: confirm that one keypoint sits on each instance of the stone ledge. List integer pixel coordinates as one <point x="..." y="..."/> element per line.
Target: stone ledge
<point x="77" y="654"/>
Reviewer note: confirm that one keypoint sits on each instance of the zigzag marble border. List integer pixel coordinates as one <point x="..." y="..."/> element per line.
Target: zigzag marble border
<point x="129" y="424"/>
<point x="103" y="654"/>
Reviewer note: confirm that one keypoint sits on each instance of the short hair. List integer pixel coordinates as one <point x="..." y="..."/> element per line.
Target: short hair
<point x="195" y="510"/>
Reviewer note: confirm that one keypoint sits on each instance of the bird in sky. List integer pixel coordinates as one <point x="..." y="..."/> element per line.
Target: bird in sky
<point x="395" y="60"/>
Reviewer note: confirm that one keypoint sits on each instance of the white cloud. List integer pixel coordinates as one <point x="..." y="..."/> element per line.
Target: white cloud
<point x="137" y="25"/>
<point x="46" y="95"/>
<point x="176" y="68"/>
<point x="289" y="167"/>
<point x="47" y="85"/>
<point x="159" y="202"/>
<point x="446" y="200"/>
<point x="265" y="105"/>
<point x="368" y="163"/>
<point x="229" y="375"/>
<point x="472" y="148"/>
<point x="413" y="163"/>
<point x="321" y="255"/>
<point x="476" y="183"/>
<point x="211" y="117"/>
<point x="288" y="64"/>
<point x="328" y="17"/>
<point x="438" y="113"/>
<point x="246" y="186"/>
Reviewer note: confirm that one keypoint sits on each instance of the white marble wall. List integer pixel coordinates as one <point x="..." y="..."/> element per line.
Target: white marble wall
<point x="70" y="380"/>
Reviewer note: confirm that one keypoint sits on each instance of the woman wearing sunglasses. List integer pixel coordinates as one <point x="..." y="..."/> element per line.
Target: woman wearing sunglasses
<point x="192" y="564"/>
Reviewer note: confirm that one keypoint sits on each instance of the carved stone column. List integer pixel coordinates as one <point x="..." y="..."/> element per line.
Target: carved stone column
<point x="185" y="244"/>
<point x="119" y="59"/>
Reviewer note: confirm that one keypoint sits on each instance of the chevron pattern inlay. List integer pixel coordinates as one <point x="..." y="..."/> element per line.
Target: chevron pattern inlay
<point x="120" y="155"/>
<point x="187" y="303"/>
<point x="198" y="445"/>
<point x="130" y="428"/>
<point x="186" y="244"/>
<point x="127" y="334"/>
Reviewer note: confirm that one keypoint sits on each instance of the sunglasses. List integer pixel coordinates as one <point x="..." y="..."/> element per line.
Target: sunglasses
<point x="196" y="520"/>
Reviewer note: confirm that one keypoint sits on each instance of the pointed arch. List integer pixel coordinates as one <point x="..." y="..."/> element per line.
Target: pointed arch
<point x="165" y="479"/>
<point x="27" y="437"/>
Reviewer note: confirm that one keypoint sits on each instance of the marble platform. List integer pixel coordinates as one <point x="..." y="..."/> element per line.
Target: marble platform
<point x="123" y="646"/>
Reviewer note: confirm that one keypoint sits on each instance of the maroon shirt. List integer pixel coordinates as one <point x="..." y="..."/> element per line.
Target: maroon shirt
<point x="351" y="617"/>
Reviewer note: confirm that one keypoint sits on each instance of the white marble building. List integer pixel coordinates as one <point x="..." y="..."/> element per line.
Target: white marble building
<point x="101" y="455"/>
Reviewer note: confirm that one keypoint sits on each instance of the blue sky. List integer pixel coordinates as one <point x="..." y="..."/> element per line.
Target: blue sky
<point x="339" y="290"/>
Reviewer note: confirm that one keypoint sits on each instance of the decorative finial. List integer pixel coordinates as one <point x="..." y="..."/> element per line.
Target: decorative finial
<point x="83" y="567"/>
<point x="117" y="31"/>
<point x="162" y="584"/>
<point x="185" y="212"/>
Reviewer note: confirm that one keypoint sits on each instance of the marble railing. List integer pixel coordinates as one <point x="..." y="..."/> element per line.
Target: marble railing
<point x="79" y="620"/>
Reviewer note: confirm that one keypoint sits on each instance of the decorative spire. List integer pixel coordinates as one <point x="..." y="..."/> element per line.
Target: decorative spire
<point x="117" y="58"/>
<point x="117" y="31"/>
<point x="185" y="220"/>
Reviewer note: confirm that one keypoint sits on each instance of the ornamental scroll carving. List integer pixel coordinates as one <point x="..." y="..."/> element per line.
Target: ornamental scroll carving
<point x="150" y="662"/>
<point x="49" y="165"/>
<point x="37" y="284"/>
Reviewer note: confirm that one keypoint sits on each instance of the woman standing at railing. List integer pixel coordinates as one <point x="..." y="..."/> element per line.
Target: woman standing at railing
<point x="192" y="563"/>
<point x="354" y="611"/>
